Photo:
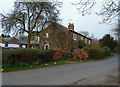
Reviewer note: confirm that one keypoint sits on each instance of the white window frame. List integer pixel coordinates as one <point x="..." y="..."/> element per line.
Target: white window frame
<point x="47" y="35"/>
<point x="74" y="37"/>
<point x="86" y="40"/>
<point x="81" y="37"/>
<point x="46" y="45"/>
<point x="89" y="42"/>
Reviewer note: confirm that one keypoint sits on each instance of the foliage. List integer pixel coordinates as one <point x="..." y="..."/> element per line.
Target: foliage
<point x="79" y="54"/>
<point x="27" y="17"/>
<point x="107" y="51"/>
<point x="66" y="55"/>
<point x="32" y="66"/>
<point x="81" y="44"/>
<point x="26" y="56"/>
<point x="96" y="52"/>
<point x="108" y="41"/>
<point x="57" y="54"/>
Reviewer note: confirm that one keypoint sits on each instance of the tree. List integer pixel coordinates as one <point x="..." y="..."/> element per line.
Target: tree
<point x="85" y="33"/>
<point x="29" y="16"/>
<point x="108" y="41"/>
<point x="110" y="8"/>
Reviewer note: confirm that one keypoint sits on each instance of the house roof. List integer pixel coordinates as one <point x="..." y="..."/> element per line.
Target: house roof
<point x="7" y="38"/>
<point x="65" y="28"/>
<point x="23" y="42"/>
<point x="80" y="34"/>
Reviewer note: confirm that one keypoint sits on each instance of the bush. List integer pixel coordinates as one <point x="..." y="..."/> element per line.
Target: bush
<point x="20" y="57"/>
<point x="57" y="54"/>
<point x="96" y="52"/>
<point x="79" y="54"/>
<point x="81" y="44"/>
<point x="107" y="51"/>
<point x="66" y="55"/>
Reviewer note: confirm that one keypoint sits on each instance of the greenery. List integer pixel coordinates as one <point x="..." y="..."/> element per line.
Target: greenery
<point x="108" y="41"/>
<point x="107" y="51"/>
<point x="66" y="55"/>
<point x="27" y="17"/>
<point x="91" y="59"/>
<point x="95" y="52"/>
<point x="81" y="44"/>
<point x="32" y="66"/>
<point x="15" y="57"/>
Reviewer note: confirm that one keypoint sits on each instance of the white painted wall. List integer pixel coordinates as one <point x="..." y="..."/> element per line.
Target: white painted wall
<point x="2" y="44"/>
<point x="13" y="45"/>
<point x="9" y="45"/>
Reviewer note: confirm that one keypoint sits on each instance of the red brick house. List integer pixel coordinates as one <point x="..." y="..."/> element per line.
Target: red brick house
<point x="58" y="36"/>
<point x="12" y="42"/>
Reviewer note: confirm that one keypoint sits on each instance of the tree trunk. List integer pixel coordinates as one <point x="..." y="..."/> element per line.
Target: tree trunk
<point x="29" y="38"/>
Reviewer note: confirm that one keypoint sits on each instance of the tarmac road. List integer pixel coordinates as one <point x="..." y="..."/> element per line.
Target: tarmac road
<point x="98" y="72"/>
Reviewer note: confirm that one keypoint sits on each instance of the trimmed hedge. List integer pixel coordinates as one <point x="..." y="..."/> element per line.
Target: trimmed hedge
<point x="95" y="52"/>
<point x="13" y="57"/>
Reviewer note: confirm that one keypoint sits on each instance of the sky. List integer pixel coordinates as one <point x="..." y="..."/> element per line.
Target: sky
<point x="70" y="14"/>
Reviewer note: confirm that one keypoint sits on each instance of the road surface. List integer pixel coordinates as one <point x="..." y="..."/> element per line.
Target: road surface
<point x="92" y="73"/>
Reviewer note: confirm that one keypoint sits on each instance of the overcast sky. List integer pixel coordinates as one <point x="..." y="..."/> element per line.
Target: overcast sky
<point x="70" y="14"/>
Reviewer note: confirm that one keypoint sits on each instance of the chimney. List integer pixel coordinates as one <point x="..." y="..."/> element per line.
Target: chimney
<point x="71" y="26"/>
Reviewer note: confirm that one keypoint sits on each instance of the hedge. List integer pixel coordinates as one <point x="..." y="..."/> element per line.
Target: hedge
<point x="95" y="52"/>
<point x="107" y="51"/>
<point x="13" y="57"/>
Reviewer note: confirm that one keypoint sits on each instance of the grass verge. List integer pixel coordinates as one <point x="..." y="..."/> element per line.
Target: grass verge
<point x="89" y="60"/>
<point x="16" y="68"/>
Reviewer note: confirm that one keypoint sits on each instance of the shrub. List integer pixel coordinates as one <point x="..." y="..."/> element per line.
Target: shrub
<point x="66" y="55"/>
<point x="57" y="54"/>
<point x="81" y="44"/>
<point x="79" y="54"/>
<point x="96" y="52"/>
<point x="20" y="57"/>
<point x="107" y="51"/>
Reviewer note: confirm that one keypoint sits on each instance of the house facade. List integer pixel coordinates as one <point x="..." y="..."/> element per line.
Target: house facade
<point x="12" y="42"/>
<point x="58" y="36"/>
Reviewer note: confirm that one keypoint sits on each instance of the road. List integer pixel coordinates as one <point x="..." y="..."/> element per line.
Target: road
<point x="71" y="74"/>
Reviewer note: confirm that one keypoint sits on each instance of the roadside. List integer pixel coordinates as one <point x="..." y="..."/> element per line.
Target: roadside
<point x="50" y="64"/>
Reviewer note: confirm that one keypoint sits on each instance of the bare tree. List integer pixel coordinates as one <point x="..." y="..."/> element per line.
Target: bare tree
<point x="110" y="8"/>
<point x="29" y="16"/>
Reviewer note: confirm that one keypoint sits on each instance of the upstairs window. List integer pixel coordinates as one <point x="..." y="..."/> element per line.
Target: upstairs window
<point x="74" y="37"/>
<point x="81" y="38"/>
<point x="47" y="35"/>
<point x="89" y="42"/>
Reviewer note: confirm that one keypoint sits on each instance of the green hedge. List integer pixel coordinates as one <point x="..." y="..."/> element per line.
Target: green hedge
<point x="13" y="57"/>
<point x="95" y="52"/>
<point x="107" y="51"/>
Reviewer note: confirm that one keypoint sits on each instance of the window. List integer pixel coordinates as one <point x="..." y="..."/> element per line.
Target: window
<point x="89" y="42"/>
<point x="81" y="38"/>
<point x="74" y="37"/>
<point x="47" y="35"/>
<point x="35" y="38"/>
<point x="86" y="40"/>
<point x="38" y="39"/>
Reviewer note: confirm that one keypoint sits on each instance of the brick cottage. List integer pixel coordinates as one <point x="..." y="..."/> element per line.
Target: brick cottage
<point x="58" y="36"/>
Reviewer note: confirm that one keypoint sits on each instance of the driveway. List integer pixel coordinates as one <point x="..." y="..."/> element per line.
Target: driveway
<point x="98" y="72"/>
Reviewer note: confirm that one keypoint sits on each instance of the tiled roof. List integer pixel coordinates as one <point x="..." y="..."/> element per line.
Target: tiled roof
<point x="7" y="38"/>
<point x="80" y="34"/>
<point x="23" y="42"/>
